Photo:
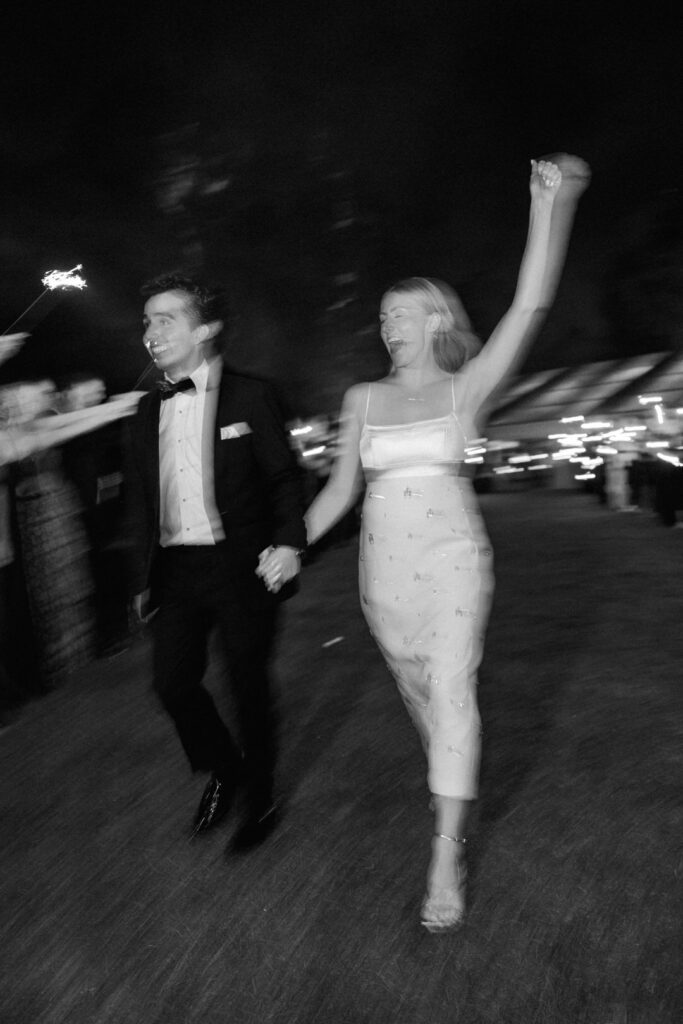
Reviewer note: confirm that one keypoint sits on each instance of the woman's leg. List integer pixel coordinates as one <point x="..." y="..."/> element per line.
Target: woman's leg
<point x="443" y="908"/>
<point x="446" y="868"/>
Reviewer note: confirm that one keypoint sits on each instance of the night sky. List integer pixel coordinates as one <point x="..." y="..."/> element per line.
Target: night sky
<point x="419" y="119"/>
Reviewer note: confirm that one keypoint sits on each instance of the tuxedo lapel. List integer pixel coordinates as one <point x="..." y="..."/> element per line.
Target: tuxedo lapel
<point x="220" y="416"/>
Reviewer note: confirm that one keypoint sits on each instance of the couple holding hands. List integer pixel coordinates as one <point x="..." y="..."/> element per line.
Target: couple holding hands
<point x="217" y="527"/>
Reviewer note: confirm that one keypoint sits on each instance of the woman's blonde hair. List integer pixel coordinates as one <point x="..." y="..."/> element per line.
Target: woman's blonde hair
<point x="454" y="341"/>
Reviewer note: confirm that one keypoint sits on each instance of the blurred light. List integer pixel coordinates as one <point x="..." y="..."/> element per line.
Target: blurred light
<point x="584" y="476"/>
<point x="544" y="465"/>
<point x="572" y="439"/>
<point x="474" y="458"/>
<point x="659" y="413"/>
<point x="649" y="399"/>
<point x="656" y="444"/>
<point x="314" y="451"/>
<point x="597" y="425"/>
<point x="567" y="453"/>
<point x="571" y="419"/>
<point x="528" y="458"/>
<point x="475" y="451"/>
<point x="499" y="446"/>
<point x="507" y="469"/>
<point x="297" y="431"/>
<point x="604" y="449"/>
<point x="673" y="459"/>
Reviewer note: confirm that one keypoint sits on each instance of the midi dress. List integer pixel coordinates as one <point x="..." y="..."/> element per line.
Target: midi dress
<point x="426" y="582"/>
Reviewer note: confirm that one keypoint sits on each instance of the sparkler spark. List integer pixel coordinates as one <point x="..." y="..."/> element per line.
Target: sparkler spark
<point x="64" y="279"/>
<point x="53" y="280"/>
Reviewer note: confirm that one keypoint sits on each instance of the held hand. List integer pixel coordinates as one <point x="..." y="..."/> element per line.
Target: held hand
<point x="278" y="566"/>
<point x="546" y="178"/>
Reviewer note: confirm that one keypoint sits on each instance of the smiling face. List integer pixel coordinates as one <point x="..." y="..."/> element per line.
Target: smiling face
<point x="173" y="335"/>
<point x="407" y="329"/>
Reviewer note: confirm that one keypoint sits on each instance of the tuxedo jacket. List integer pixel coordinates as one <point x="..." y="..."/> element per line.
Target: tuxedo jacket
<point x="257" y="484"/>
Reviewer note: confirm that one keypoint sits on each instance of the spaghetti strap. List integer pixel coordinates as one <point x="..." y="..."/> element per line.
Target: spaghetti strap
<point x="367" y="406"/>
<point x="452" y="392"/>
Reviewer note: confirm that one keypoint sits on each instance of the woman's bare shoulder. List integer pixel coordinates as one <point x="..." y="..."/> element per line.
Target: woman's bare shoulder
<point x="357" y="393"/>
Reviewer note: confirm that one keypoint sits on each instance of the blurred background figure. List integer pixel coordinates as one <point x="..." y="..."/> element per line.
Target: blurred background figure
<point x="18" y="670"/>
<point x="617" y="489"/>
<point x="92" y="464"/>
<point x="50" y="538"/>
<point x="60" y="483"/>
<point x="668" y="488"/>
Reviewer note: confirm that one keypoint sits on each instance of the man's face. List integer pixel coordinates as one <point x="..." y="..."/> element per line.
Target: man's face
<point x="173" y="336"/>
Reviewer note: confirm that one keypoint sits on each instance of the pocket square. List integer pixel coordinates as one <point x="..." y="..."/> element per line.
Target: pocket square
<point x="235" y="430"/>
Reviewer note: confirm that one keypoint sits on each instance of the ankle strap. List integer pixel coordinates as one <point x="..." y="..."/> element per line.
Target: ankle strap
<point x="451" y="839"/>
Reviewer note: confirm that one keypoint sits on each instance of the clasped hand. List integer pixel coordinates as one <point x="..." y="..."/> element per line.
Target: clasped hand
<point x="277" y="566"/>
<point x="561" y="175"/>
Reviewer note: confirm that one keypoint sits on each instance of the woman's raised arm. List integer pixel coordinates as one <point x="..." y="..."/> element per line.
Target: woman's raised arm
<point x="555" y="187"/>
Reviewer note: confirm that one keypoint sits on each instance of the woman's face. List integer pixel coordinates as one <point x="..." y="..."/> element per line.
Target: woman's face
<point x="406" y="329"/>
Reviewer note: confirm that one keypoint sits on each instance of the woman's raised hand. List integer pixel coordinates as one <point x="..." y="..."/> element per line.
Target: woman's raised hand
<point x="576" y="175"/>
<point x="546" y="178"/>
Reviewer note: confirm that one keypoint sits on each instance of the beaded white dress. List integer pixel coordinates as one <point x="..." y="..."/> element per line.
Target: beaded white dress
<point x="426" y="580"/>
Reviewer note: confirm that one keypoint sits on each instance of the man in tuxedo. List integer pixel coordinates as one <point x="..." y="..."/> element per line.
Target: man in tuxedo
<point x="211" y="484"/>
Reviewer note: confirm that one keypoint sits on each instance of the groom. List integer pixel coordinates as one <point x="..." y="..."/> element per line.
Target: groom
<point x="211" y="483"/>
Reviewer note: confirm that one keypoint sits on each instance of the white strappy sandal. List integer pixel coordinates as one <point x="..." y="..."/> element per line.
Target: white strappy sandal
<point x="443" y="909"/>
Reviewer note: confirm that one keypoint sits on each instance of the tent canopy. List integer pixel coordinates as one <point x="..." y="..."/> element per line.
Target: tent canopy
<point x="533" y="405"/>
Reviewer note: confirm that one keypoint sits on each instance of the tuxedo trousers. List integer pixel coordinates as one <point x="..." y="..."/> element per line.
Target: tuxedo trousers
<point x="197" y="593"/>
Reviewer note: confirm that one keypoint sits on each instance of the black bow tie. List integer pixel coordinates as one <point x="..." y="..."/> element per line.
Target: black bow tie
<point x="168" y="388"/>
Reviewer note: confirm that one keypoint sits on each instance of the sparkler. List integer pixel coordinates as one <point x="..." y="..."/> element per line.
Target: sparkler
<point x="142" y="376"/>
<point x="52" y="281"/>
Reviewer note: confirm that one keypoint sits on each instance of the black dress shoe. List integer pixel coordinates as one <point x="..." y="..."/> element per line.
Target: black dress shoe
<point x="214" y="805"/>
<point x="256" y="828"/>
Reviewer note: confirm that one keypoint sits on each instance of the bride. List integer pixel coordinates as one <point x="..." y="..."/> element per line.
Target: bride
<point x="425" y="568"/>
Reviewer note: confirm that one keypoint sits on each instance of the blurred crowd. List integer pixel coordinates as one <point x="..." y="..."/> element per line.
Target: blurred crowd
<point x="641" y="482"/>
<point x="62" y="587"/>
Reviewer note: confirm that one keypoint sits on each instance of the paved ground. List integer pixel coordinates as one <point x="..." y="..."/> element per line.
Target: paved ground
<point x="111" y="916"/>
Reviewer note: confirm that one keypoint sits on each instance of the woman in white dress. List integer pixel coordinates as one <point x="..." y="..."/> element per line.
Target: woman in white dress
<point x="425" y="561"/>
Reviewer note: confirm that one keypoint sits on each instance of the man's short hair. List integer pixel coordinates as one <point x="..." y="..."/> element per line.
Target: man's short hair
<point x="205" y="302"/>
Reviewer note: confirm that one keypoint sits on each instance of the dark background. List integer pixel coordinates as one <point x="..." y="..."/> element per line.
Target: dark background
<point x="306" y="159"/>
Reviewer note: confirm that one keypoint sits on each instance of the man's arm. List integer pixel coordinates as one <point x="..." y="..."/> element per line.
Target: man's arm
<point x="281" y="471"/>
<point x="138" y="524"/>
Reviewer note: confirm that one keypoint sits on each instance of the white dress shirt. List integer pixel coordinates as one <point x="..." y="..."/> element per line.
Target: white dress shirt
<point x="187" y="510"/>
